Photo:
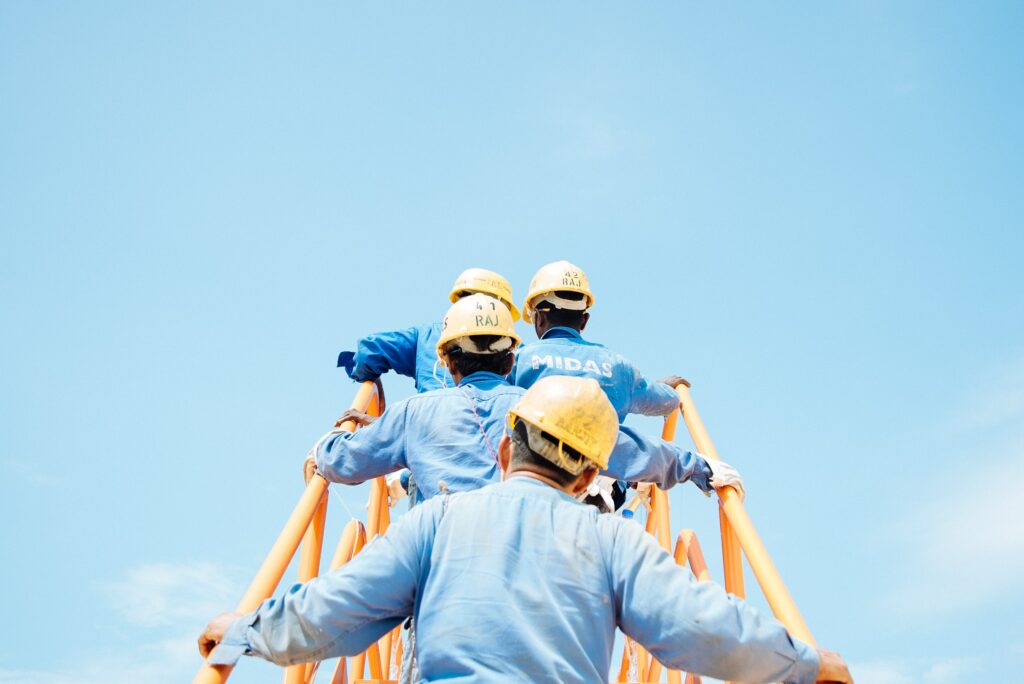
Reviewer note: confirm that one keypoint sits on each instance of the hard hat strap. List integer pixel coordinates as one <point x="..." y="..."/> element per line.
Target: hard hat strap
<point x="558" y="302"/>
<point x="474" y="344"/>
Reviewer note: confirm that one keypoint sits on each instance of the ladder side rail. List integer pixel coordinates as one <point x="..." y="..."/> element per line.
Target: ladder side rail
<point x="768" y="577"/>
<point x="281" y="553"/>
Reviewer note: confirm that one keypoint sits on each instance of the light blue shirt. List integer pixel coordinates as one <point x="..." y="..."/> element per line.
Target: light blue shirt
<point x="411" y="352"/>
<point x="563" y="351"/>
<point x="517" y="582"/>
<point x="453" y="434"/>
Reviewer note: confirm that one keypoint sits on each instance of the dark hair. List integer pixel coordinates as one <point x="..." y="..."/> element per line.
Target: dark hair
<point x="563" y="317"/>
<point x="524" y="456"/>
<point x="467" y="363"/>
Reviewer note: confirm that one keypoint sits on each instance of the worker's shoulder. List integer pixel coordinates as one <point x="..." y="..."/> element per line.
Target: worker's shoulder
<point x="615" y="530"/>
<point x="428" y="330"/>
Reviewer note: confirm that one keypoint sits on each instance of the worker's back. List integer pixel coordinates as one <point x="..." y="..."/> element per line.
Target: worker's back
<point x="564" y="351"/>
<point x="523" y="583"/>
<point x="448" y="434"/>
<point x="516" y="589"/>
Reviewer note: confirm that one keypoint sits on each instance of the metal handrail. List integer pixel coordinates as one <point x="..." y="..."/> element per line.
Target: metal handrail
<point x="737" y="533"/>
<point x="281" y="553"/>
<point x="768" y="577"/>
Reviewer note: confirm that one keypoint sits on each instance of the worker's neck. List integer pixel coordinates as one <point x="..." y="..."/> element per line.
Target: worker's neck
<point x="522" y="472"/>
<point x="544" y="330"/>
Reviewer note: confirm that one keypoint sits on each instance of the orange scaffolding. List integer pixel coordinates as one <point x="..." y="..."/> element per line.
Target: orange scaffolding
<point x="383" y="658"/>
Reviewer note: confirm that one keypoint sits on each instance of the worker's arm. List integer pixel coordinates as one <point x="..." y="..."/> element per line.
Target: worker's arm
<point x="378" y="353"/>
<point x="339" y="614"/>
<point x="639" y="459"/>
<point x="696" y="626"/>
<point x="651" y="398"/>
<point x="371" y="451"/>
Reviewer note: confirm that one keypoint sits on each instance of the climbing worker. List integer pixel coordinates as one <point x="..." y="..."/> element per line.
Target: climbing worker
<point x="412" y="351"/>
<point x="518" y="582"/>
<point x="449" y="437"/>
<point x="557" y="305"/>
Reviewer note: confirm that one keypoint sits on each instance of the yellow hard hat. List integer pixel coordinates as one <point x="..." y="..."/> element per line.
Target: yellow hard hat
<point x="488" y="282"/>
<point x="478" y="314"/>
<point x="577" y="413"/>
<point x="560" y="276"/>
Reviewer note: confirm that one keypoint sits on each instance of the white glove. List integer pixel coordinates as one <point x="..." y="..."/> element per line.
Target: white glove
<point x="395" y="489"/>
<point x="724" y="475"/>
<point x="601" y="487"/>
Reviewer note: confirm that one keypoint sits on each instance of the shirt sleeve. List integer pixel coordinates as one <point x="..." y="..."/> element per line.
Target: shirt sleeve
<point x="371" y="451"/>
<point x="696" y="626"/>
<point x="341" y="613"/>
<point x="650" y="398"/>
<point x="636" y="458"/>
<point x="378" y="353"/>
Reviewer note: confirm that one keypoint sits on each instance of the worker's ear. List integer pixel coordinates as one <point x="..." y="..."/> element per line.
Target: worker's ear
<point x="583" y="481"/>
<point x="540" y="322"/>
<point x="509" y="365"/>
<point x="583" y="320"/>
<point x="504" y="454"/>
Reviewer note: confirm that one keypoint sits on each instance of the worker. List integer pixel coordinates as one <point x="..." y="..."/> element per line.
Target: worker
<point x="411" y="352"/>
<point x="518" y="582"/>
<point x="558" y="305"/>
<point x="449" y="437"/>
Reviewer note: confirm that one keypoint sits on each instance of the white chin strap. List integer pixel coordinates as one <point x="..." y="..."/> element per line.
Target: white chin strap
<point x="470" y="345"/>
<point x="562" y="303"/>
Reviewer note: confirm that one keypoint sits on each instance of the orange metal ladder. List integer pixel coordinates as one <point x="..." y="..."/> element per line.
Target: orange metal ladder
<point x="306" y="523"/>
<point x="737" y="533"/>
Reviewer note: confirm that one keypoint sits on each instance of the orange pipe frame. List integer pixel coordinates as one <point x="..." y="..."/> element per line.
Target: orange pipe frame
<point x="352" y="540"/>
<point x="774" y="589"/>
<point x="312" y="550"/>
<point x="281" y="553"/>
<point x="731" y="560"/>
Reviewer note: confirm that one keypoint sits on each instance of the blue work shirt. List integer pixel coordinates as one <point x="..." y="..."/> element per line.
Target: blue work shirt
<point x="411" y="352"/>
<point x="563" y="351"/>
<point x="453" y="434"/>
<point x="518" y="582"/>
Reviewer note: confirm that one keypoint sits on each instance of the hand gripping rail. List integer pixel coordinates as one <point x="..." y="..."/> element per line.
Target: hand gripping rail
<point x="306" y="521"/>
<point x="738" y="533"/>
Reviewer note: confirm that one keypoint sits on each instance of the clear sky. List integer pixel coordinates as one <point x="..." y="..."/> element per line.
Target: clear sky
<point x="811" y="211"/>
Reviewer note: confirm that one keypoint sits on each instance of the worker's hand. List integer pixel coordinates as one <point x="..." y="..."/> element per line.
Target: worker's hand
<point x="214" y="632"/>
<point x="357" y="417"/>
<point x="833" y="668"/>
<point x="309" y="467"/>
<point x="396" y="489"/>
<point x="724" y="475"/>
<point x="674" y="381"/>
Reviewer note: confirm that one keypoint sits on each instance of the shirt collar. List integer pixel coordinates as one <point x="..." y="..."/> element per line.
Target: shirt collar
<point x="561" y="332"/>
<point x="483" y="380"/>
<point x="534" y="487"/>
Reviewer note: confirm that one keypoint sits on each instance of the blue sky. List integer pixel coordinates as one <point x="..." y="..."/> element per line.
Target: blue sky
<point x="812" y="212"/>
